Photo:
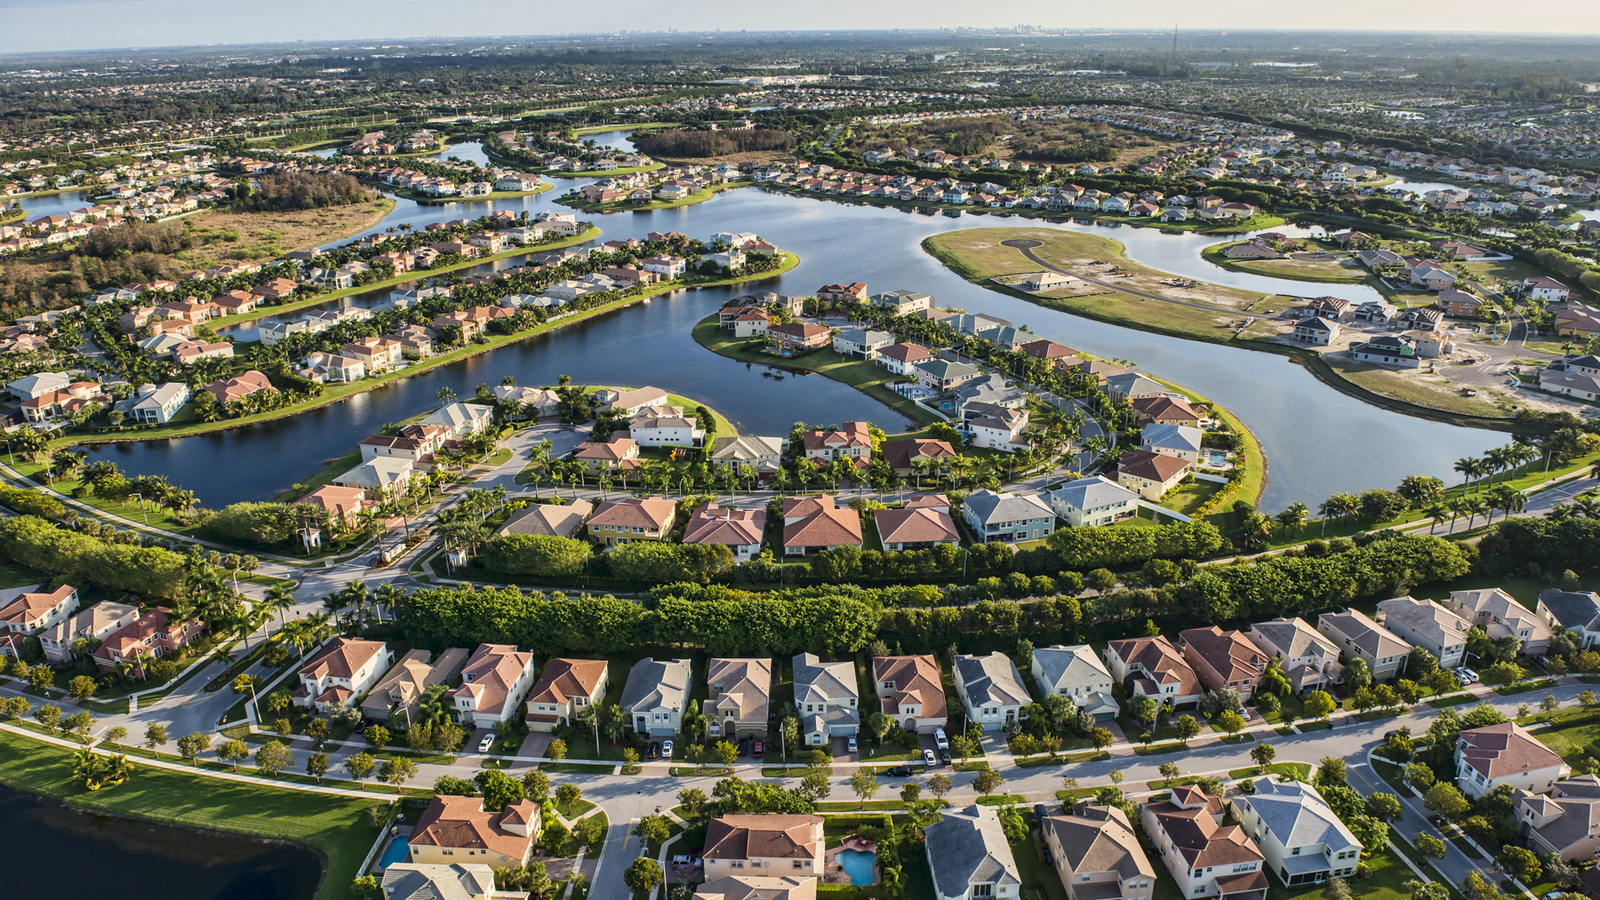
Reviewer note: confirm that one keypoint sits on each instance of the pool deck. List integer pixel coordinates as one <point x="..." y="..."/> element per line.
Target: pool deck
<point x="401" y="833"/>
<point x="833" y="871"/>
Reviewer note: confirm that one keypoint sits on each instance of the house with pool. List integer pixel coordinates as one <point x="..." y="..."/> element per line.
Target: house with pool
<point x="763" y="844"/>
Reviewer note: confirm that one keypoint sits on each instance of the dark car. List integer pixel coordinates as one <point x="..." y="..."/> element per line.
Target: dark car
<point x="944" y="757"/>
<point x="744" y="746"/>
<point x="1041" y="812"/>
<point x="654" y="750"/>
<point x="898" y="771"/>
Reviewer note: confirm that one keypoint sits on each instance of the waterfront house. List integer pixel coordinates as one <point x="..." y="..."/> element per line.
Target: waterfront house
<point x="458" y="829"/>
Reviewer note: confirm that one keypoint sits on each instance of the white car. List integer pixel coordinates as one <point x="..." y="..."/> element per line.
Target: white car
<point x="929" y="760"/>
<point x="940" y="740"/>
<point x="1466" y="675"/>
<point x="486" y="743"/>
<point x="666" y="749"/>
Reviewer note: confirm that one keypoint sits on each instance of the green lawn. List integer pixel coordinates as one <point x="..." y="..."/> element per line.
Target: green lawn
<point x="1572" y="736"/>
<point x="336" y="827"/>
<point x="1386" y="872"/>
<point x="1298" y="771"/>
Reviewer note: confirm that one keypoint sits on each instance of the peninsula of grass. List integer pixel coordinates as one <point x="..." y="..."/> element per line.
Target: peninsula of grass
<point x="317" y="299"/>
<point x="436" y="200"/>
<point x="337" y="828"/>
<point x="597" y="173"/>
<point x="335" y="393"/>
<point x="1287" y="267"/>
<point x="578" y="203"/>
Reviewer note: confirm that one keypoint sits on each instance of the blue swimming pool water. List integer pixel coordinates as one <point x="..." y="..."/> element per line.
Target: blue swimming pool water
<point x="394" y="853"/>
<point x="1219" y="459"/>
<point x="858" y="865"/>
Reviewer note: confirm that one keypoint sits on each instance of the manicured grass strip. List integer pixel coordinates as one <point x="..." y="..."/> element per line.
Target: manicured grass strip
<point x="697" y="772"/>
<point x="1525" y="687"/>
<point x="1451" y="700"/>
<point x="575" y="768"/>
<point x="1158" y="749"/>
<point x="1038" y="762"/>
<point x="336" y="827"/>
<point x="1298" y="771"/>
<point x="575" y="810"/>
<point x="1001" y="799"/>
<point x="978" y="766"/>
<point x="1318" y="725"/>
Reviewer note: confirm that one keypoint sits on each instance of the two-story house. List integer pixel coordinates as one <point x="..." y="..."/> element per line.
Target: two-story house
<point x="565" y="688"/>
<point x="991" y="688"/>
<point x="1565" y="821"/>
<point x="1358" y="637"/>
<point x="852" y="441"/>
<point x="92" y="624"/>
<point x="395" y="698"/>
<point x="1077" y="674"/>
<point x="738" y="696"/>
<point x="1152" y="667"/>
<point x="1205" y="857"/>
<point x="154" y="634"/>
<point x="763" y="454"/>
<point x="1575" y="612"/>
<point x="970" y="856"/>
<point x="31" y="611"/>
<point x="910" y="692"/>
<point x="1097" y="854"/>
<point x="492" y="685"/>
<point x="766" y="844"/>
<point x="459" y="830"/>
<point x="655" y="696"/>
<point x="861" y="343"/>
<point x="343" y="670"/>
<point x="1506" y="753"/>
<point x="1303" y="841"/>
<point x="827" y="699"/>
<point x="1224" y="660"/>
<point x="1008" y="517"/>
<point x="1308" y="658"/>
<point x="1500" y="616"/>
<point x="902" y="302"/>
<point x="1426" y="624"/>
<point x="1091" y="501"/>
<point x="633" y="519"/>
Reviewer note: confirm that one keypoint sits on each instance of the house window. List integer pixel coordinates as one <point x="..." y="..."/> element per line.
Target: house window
<point x="1244" y="867"/>
<point x="736" y="864"/>
<point x="1295" y="852"/>
<point x="983" y="890"/>
<point x="798" y="864"/>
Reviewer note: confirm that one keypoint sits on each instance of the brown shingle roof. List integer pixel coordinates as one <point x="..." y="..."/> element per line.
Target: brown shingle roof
<point x="461" y="823"/>
<point x="831" y="527"/>
<point x="765" y="836"/>
<point x="564" y="678"/>
<point x="635" y="512"/>
<point x="916" y="680"/>
<point x="342" y="658"/>
<point x="1499" y="751"/>
<point x="915" y="525"/>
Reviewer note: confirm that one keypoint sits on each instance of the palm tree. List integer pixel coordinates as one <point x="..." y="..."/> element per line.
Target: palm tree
<point x="1469" y="469"/>
<point x="1475" y="507"/>
<point x="1437" y="512"/>
<point x="1508" y="499"/>
<point x="280" y="599"/>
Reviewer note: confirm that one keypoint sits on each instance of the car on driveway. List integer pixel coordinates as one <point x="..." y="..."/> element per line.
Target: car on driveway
<point x="850" y="744"/>
<point x="486" y="743"/>
<point x="757" y="748"/>
<point x="666" y="749"/>
<point x="744" y="746"/>
<point x="1466" y="675"/>
<point x="654" y="750"/>
<point x="898" y="772"/>
<point x="929" y="760"/>
<point x="940" y="740"/>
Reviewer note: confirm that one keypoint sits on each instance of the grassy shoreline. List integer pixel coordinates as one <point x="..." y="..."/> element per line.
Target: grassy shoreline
<point x="1312" y="361"/>
<point x="1213" y="255"/>
<point x="344" y="391"/>
<point x="692" y="199"/>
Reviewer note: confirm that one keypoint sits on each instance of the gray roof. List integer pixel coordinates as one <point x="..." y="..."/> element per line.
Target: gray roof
<point x="1068" y="666"/>
<point x="989" y="506"/>
<point x="1293" y="638"/>
<point x="1092" y="492"/>
<point x="1576" y="804"/>
<point x="1170" y="437"/>
<point x="816" y="681"/>
<point x="991" y="679"/>
<point x="1424" y="620"/>
<point x="990" y="389"/>
<point x="967" y="847"/>
<point x="1573" y="609"/>
<point x="1297" y="815"/>
<point x="1366" y="635"/>
<point x="657" y="684"/>
<point x="1096" y="839"/>
<point x="430" y="881"/>
<point x="1129" y="383"/>
<point x="945" y="368"/>
<point x="864" y="337"/>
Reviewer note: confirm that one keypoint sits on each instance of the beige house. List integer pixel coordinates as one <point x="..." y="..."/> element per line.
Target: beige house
<point x="1205" y="856"/>
<point x="548" y="519"/>
<point x="1151" y="475"/>
<point x="970" y="856"/>
<point x="492" y="685"/>
<point x="656" y="694"/>
<point x="461" y="881"/>
<point x="758" y="887"/>
<point x="910" y="692"/>
<point x="1493" y="755"/>
<point x="1309" y="659"/>
<point x="29" y="611"/>
<point x="1426" y="624"/>
<point x="1499" y="616"/>
<point x="1097" y="854"/>
<point x="1358" y="637"/>
<point x="395" y="698"/>
<point x="763" y="844"/>
<point x="341" y="672"/>
<point x="739" y="693"/>
<point x="1564" y="821"/>
<point x="459" y="830"/>
<point x="991" y="688"/>
<point x="93" y="623"/>
<point x="827" y="698"/>
<point x="1152" y="667"/>
<point x="564" y="688"/>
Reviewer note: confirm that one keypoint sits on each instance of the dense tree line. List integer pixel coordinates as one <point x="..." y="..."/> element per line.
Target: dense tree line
<point x="136" y="237"/>
<point x="302" y="190"/>
<point x="41" y="545"/>
<point x="1539" y="545"/>
<point x="703" y="144"/>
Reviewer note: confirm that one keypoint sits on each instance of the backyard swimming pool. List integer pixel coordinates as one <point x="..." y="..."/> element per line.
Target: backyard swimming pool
<point x="396" y="852"/>
<point x="858" y="865"/>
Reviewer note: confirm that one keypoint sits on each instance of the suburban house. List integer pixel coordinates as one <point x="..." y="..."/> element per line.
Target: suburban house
<point x="1012" y="518"/>
<point x="852" y="441"/>
<point x="492" y="684"/>
<point x="1224" y="660"/>
<point x="814" y="524"/>
<point x="970" y="856"/>
<point x="1097" y="853"/>
<point x="417" y="443"/>
<point x="1386" y="350"/>
<point x="910" y="692"/>
<point x="1152" y="667"/>
<point x="861" y="342"/>
<point x="655" y="696"/>
<point x="1132" y="386"/>
<point x="424" y="881"/>
<point x="758" y="887"/>
<point x="1182" y="441"/>
<point x="740" y="530"/>
<point x="1543" y="287"/>
<point x="764" y="454"/>
<point x="1205" y="857"/>
<point x="92" y="624"/>
<point x="1302" y="839"/>
<point x="739" y="694"/>
<point x="1426" y="624"/>
<point x="791" y="338"/>
<point x="902" y="455"/>
<point x="1358" y="637"/>
<point x="628" y="403"/>
<point x="992" y="689"/>
<point x="460" y="420"/>
<point x="940" y="375"/>
<point x="1166" y="411"/>
<point x="1076" y="673"/>
<point x="827" y="699"/>
<point x="342" y="671"/>
<point x="768" y="844"/>
<point x="995" y="427"/>
<point x="1151" y="475"/>
<point x="395" y="698"/>
<point x="1452" y="302"/>
<point x="1057" y="356"/>
<point x="902" y="302"/>
<point x="458" y="829"/>
<point x="899" y="358"/>
<point x="617" y="453"/>
<point x="30" y="611"/>
<point x="1091" y="501"/>
<point x="1563" y="822"/>
<point x="548" y="519"/>
<point x="380" y="478"/>
<point x="1506" y="753"/>
<point x="154" y="634"/>
<point x="665" y="431"/>
<point x="1316" y="331"/>
<point x="633" y="519"/>
<point x="1310" y="661"/>
<point x="1500" y="616"/>
<point x="151" y="405"/>
<point x="919" y="525"/>
<point x="565" y="688"/>
<point x="855" y="292"/>
<point x="1577" y="612"/>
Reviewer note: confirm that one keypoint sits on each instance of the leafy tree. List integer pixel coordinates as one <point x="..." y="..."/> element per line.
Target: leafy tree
<point x="360" y="767"/>
<point x="397" y="771"/>
<point x="1384" y="807"/>
<point x="910" y="792"/>
<point x="1420" y="777"/>
<point x="536" y="787"/>
<point x="1431" y="847"/>
<point x="1102" y="738"/>
<point x="816" y="785"/>
<point x="272" y="758"/>
<point x="233" y="753"/>
<point x="568" y="795"/>
<point x="939" y="785"/>
<point x="1444" y="800"/>
<point x="1263" y="754"/>
<point x="652" y="832"/>
<point x="82" y="687"/>
<point x="1330" y="770"/>
<point x="1188" y="728"/>
<point x="643" y="876"/>
<point x="499" y="790"/>
<point x="191" y="746"/>
<point x="377" y="737"/>
<point x="864" y="784"/>
<point x="317" y="766"/>
<point x="1319" y="705"/>
<point x="987" y="781"/>
<point x="1520" y="863"/>
<point x="1230" y="721"/>
<point x="557" y="750"/>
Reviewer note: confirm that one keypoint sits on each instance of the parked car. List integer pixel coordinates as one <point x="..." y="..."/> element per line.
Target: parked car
<point x="929" y="760"/>
<point x="944" y="757"/>
<point x="850" y="743"/>
<point x="898" y="771"/>
<point x="1466" y="675"/>
<point x="666" y="749"/>
<point x="758" y="747"/>
<point x="744" y="746"/>
<point x="486" y="743"/>
<point x="654" y="750"/>
<point x="940" y="739"/>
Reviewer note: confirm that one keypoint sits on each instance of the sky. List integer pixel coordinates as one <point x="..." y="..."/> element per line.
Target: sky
<point x="51" y="25"/>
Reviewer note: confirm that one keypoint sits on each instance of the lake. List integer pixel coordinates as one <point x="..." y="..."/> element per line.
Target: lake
<point x="1318" y="441"/>
<point x="49" y="842"/>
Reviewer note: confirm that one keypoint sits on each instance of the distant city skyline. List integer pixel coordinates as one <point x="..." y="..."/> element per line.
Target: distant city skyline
<point x="57" y="25"/>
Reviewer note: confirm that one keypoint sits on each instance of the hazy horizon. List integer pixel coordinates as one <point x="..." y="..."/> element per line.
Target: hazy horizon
<point x="84" y="25"/>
